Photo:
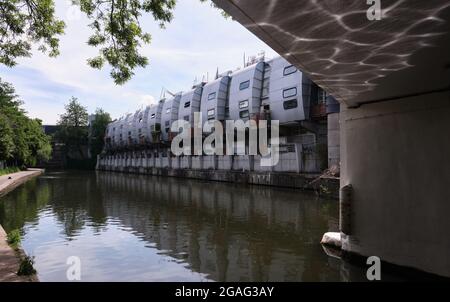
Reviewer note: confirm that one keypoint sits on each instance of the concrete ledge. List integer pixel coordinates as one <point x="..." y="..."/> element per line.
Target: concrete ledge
<point x="325" y="187"/>
<point x="11" y="181"/>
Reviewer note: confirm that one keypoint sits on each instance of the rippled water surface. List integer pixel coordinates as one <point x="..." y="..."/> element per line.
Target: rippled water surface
<point x="142" y="228"/>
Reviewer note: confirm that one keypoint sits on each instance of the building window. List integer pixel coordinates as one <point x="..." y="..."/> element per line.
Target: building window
<point x="244" y="85"/>
<point x="243" y="114"/>
<point x="153" y="115"/>
<point x="167" y="123"/>
<point x="168" y="110"/>
<point x="186" y="118"/>
<point x="291" y="104"/>
<point x="211" y="96"/>
<point x="287" y="93"/>
<point x="140" y="120"/>
<point x="187" y="104"/>
<point x="243" y="104"/>
<point x="211" y="113"/>
<point x="289" y="70"/>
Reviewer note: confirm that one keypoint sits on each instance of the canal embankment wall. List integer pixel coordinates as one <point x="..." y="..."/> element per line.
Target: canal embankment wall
<point x="9" y="258"/>
<point x="11" y="181"/>
<point x="324" y="186"/>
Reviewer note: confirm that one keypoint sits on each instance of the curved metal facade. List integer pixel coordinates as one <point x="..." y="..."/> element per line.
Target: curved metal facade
<point x="274" y="85"/>
<point x="285" y="92"/>
<point x="245" y="92"/>
<point x="190" y="103"/>
<point x="215" y="99"/>
<point x="154" y="122"/>
<point x="169" y="115"/>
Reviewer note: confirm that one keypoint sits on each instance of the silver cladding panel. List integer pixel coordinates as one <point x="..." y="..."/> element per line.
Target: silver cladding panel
<point x="280" y="83"/>
<point x="124" y="128"/>
<point x="109" y="135"/>
<point x="167" y="118"/>
<point x="254" y="74"/>
<point x="218" y="103"/>
<point x="142" y="127"/>
<point x="137" y="120"/>
<point x="128" y="129"/>
<point x="192" y="97"/>
<point x="222" y="86"/>
<point x="117" y="132"/>
<point x="154" y="117"/>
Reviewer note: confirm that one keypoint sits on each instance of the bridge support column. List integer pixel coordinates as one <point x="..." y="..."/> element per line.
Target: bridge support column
<point x="396" y="157"/>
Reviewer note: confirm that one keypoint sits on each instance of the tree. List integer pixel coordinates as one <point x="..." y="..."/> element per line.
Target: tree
<point x="22" y="140"/>
<point x="6" y="141"/>
<point x="115" y="24"/>
<point x="76" y="115"/>
<point x="7" y="105"/>
<point x="23" y="22"/>
<point x="118" y="33"/>
<point x="73" y="130"/>
<point x="38" y="142"/>
<point x="97" y="131"/>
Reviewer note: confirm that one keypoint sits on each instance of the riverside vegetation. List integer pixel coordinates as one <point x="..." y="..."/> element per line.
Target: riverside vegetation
<point x="26" y="267"/>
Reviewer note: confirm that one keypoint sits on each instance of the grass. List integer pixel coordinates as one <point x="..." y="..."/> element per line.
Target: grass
<point x="9" y="170"/>
<point x="26" y="267"/>
<point x="13" y="239"/>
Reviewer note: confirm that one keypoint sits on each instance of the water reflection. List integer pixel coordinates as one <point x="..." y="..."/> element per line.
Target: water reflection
<point x="130" y="227"/>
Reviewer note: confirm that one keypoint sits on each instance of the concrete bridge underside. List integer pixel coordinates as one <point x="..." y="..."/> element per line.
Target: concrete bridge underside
<point x="392" y="78"/>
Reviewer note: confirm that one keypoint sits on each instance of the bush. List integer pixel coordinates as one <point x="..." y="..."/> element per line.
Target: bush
<point x="9" y="170"/>
<point x="13" y="238"/>
<point x="26" y="267"/>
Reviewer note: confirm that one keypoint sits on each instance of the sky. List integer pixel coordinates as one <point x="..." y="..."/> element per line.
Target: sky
<point x="197" y="42"/>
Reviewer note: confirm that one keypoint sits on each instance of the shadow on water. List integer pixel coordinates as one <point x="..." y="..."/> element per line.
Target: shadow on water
<point x="142" y="228"/>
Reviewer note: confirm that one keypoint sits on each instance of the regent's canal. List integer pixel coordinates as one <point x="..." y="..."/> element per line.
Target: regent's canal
<point x="143" y="228"/>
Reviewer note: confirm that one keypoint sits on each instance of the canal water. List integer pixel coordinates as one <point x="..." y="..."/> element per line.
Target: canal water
<point x="141" y="228"/>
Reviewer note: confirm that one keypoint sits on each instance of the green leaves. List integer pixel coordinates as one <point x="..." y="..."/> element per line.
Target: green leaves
<point x="115" y="24"/>
<point x="118" y="34"/>
<point x="26" y="22"/>
<point x="22" y="139"/>
<point x="75" y="116"/>
<point x="96" y="62"/>
<point x="98" y="130"/>
<point x="73" y="131"/>
<point x="6" y="141"/>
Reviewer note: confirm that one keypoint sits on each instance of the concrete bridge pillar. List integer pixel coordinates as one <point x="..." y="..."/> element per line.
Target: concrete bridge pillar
<point x="396" y="157"/>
